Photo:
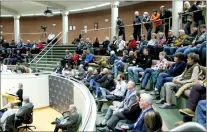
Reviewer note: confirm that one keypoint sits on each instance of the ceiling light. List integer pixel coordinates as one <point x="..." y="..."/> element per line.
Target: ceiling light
<point x="87" y="8"/>
<point x="48" y="13"/>
<point x="105" y="4"/>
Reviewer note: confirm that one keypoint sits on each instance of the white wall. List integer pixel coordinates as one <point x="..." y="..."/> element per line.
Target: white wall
<point x="36" y="87"/>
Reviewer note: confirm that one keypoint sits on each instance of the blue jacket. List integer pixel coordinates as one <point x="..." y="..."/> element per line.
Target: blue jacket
<point x="139" y="126"/>
<point x="89" y="58"/>
<point x="177" y="68"/>
<point x="29" y="45"/>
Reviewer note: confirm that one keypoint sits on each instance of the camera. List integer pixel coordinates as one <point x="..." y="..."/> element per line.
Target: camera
<point x="44" y="28"/>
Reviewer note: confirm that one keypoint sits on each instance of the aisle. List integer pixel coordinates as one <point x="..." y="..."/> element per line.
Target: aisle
<point x="43" y="118"/>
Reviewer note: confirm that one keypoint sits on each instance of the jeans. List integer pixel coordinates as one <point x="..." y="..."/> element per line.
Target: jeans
<point x="148" y="33"/>
<point x="158" y="29"/>
<point x="95" y="86"/>
<point x="146" y="77"/>
<point x="115" y="70"/>
<point x="169" y="50"/>
<point x="194" y="49"/>
<point x="105" y="93"/>
<point x="109" y="112"/>
<point x="115" y="118"/>
<point x="133" y="73"/>
<point x="162" y="78"/>
<point x="187" y="28"/>
<point x="182" y="49"/>
<point x="202" y="52"/>
<point x="201" y="113"/>
<point x="137" y="32"/>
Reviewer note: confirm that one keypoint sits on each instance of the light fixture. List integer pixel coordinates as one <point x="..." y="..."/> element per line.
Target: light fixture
<point x="48" y="12"/>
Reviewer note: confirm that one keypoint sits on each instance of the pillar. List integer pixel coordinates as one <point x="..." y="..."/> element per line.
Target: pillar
<point x="65" y="27"/>
<point x="177" y="6"/>
<point x="16" y="28"/>
<point x="114" y="15"/>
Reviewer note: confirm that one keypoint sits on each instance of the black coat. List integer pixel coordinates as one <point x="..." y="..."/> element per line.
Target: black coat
<point x="166" y="14"/>
<point x="145" y="61"/>
<point x="137" y="20"/>
<point x="133" y="113"/>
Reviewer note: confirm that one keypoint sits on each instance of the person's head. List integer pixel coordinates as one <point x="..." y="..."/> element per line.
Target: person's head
<point x="161" y="34"/>
<point x="28" y="41"/>
<point x="131" y="53"/>
<point x="120" y="37"/>
<point x="88" y="52"/>
<point x="105" y="71"/>
<point x="138" y="96"/>
<point x="145" y="101"/>
<point x="179" y="57"/>
<point x="192" y="59"/>
<point x="142" y="37"/>
<point x="80" y="66"/>
<point x="67" y="51"/>
<point x="106" y="38"/>
<point x="186" y="4"/>
<point x="130" y="85"/>
<point x="162" y="55"/>
<point x="39" y="41"/>
<point x="11" y="105"/>
<point x="110" y="75"/>
<point x="153" y="121"/>
<point x="162" y="8"/>
<point x="87" y="39"/>
<point x="96" y="39"/>
<point x="203" y="28"/>
<point x="72" y="108"/>
<point x="154" y="36"/>
<point x="84" y="52"/>
<point x="112" y="53"/>
<point x="120" y="77"/>
<point x="114" y="38"/>
<point x="125" y="52"/>
<point x="181" y="32"/>
<point x="145" y="14"/>
<point x="81" y="40"/>
<point x="26" y="99"/>
<point x="20" y="85"/>
<point x="4" y="40"/>
<point x="198" y="3"/>
<point x="95" y="71"/>
<point x="90" y="69"/>
<point x="170" y="33"/>
<point x="146" y="51"/>
<point x="154" y="11"/>
<point x="136" y="13"/>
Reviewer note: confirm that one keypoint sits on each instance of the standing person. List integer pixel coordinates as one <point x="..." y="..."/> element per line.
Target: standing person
<point x="120" y="25"/>
<point x="137" y="25"/>
<point x="147" y="24"/>
<point x="157" y="22"/>
<point x="166" y="15"/>
<point x="19" y="93"/>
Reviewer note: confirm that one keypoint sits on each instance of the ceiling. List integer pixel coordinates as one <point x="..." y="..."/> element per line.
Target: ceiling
<point x="31" y="8"/>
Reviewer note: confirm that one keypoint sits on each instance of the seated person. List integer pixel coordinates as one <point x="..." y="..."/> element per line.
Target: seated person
<point x="170" y="40"/>
<point x="19" y="56"/>
<point x="145" y="104"/>
<point x="153" y="121"/>
<point x="126" y="104"/>
<point x="38" y="47"/>
<point x="22" y="113"/>
<point x="87" y="74"/>
<point x="89" y="45"/>
<point x="20" y="45"/>
<point x="201" y="112"/>
<point x="132" y="45"/>
<point x="144" y="61"/>
<point x="121" y="44"/>
<point x="130" y="115"/>
<point x="112" y="58"/>
<point x="5" y="44"/>
<point x="13" y="44"/>
<point x="131" y="58"/>
<point x="28" y="56"/>
<point x="94" y="75"/>
<point x="119" y="65"/>
<point x="197" y="93"/>
<point x="88" y="59"/>
<point x="80" y="46"/>
<point x="170" y="49"/>
<point x="176" y="69"/>
<point x="29" y="45"/>
<point x="75" y="59"/>
<point x="82" y="57"/>
<point x="158" y="47"/>
<point x="67" y="71"/>
<point x="105" y="44"/>
<point x="190" y="74"/>
<point x="81" y="72"/>
<point x="8" y="110"/>
<point x="67" y="58"/>
<point x="68" y="122"/>
<point x="102" y="63"/>
<point x="58" y="69"/>
<point x="96" y="43"/>
<point x="194" y="47"/>
<point x="162" y="64"/>
<point x="142" y="43"/>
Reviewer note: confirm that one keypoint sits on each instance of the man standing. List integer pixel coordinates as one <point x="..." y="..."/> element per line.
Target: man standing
<point x="166" y="15"/>
<point x="137" y="25"/>
<point x="120" y="25"/>
<point x="147" y="24"/>
<point x="157" y="21"/>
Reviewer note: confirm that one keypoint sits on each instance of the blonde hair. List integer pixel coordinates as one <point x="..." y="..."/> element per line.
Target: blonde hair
<point x="187" y="3"/>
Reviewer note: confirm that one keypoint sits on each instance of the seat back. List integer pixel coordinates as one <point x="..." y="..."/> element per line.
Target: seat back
<point x="28" y="116"/>
<point x="10" y="124"/>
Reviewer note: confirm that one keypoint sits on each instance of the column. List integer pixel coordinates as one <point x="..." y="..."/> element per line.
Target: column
<point x="177" y="6"/>
<point x="114" y="15"/>
<point x="16" y="28"/>
<point x="65" y="27"/>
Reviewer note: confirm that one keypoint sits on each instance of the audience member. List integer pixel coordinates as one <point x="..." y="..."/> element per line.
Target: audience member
<point x="112" y="59"/>
<point x="120" y="25"/>
<point x="121" y="44"/>
<point x="96" y="43"/>
<point x="201" y="112"/>
<point x="132" y="45"/>
<point x="137" y="26"/>
<point x="58" y="69"/>
<point x="168" y="45"/>
<point x="187" y="18"/>
<point x="89" y="58"/>
<point x="147" y="24"/>
<point x="67" y="58"/>
<point x="166" y="16"/>
<point x="155" y="18"/>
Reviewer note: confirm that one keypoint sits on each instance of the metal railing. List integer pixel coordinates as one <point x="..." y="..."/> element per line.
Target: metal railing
<point x="45" y="48"/>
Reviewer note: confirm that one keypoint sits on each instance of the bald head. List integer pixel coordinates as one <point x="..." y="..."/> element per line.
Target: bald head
<point x="136" y="13"/>
<point x="130" y="85"/>
<point x="72" y="108"/>
<point x="26" y="99"/>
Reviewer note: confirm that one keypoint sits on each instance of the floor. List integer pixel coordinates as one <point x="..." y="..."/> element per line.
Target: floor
<point x="43" y="118"/>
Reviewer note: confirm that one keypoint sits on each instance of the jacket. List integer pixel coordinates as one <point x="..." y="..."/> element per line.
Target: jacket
<point x="197" y="15"/>
<point x="139" y="126"/>
<point x="180" y="40"/>
<point x="166" y="14"/>
<point x="170" y="40"/>
<point x="200" y="38"/>
<point x="108" y="84"/>
<point x="156" y="19"/>
<point x="132" y="44"/>
<point x="148" y="24"/>
<point x="177" y="68"/>
<point x="145" y="61"/>
<point x="131" y="59"/>
<point x="133" y="113"/>
<point x="21" y="114"/>
<point x="160" y="41"/>
<point x="186" y="16"/>
<point x="101" y="78"/>
<point x="137" y="22"/>
<point x="89" y="58"/>
<point x="111" y="59"/>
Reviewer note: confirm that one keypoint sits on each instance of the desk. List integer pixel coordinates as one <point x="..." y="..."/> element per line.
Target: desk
<point x="7" y="98"/>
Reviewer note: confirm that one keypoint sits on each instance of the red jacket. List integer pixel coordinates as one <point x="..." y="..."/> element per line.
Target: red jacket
<point x="75" y="57"/>
<point x="156" y="19"/>
<point x="39" y="46"/>
<point x="132" y="44"/>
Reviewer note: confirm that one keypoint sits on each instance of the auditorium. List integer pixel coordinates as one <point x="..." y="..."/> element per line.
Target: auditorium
<point x="105" y="66"/>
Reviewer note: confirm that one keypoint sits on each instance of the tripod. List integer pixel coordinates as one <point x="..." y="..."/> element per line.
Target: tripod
<point x="44" y="36"/>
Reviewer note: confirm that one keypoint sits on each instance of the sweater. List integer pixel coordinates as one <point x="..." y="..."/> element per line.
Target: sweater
<point x="89" y="58"/>
<point x="177" y="68"/>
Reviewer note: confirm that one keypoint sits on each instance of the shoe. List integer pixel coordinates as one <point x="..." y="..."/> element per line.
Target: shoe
<point x="53" y="123"/>
<point x="105" y="129"/>
<point x="188" y="112"/>
<point x="165" y="106"/>
<point x="103" y="100"/>
<point x="161" y="101"/>
<point x="142" y="88"/>
<point x="100" y="125"/>
<point x="156" y="97"/>
<point x="179" y="123"/>
<point x="155" y="92"/>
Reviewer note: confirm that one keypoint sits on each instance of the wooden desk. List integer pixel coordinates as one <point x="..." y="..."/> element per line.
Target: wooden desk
<point x="7" y="98"/>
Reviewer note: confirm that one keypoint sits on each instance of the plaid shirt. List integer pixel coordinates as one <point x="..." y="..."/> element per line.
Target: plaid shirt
<point x="161" y="64"/>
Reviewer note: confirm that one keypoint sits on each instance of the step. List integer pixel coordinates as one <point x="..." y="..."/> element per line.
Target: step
<point x="50" y="59"/>
<point x="48" y="62"/>
<point x="69" y="48"/>
<point x="43" y="68"/>
<point x="44" y="65"/>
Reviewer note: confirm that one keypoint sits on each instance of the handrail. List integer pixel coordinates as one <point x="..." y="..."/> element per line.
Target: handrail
<point x="189" y="126"/>
<point x="45" y="47"/>
<point x="50" y="47"/>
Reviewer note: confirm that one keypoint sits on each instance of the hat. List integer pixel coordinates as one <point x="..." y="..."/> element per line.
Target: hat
<point x="154" y="10"/>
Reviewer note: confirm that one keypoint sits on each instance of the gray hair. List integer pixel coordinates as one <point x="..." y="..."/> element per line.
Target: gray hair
<point x="162" y="53"/>
<point x="187" y="3"/>
<point x="194" y="56"/>
<point x="112" y="52"/>
<point x="26" y="99"/>
<point x="147" y="98"/>
<point x="90" y="69"/>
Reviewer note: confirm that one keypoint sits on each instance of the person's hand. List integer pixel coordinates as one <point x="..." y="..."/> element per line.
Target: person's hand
<point x="199" y="82"/>
<point x="193" y="43"/>
<point x="125" y="127"/>
<point x="176" y="81"/>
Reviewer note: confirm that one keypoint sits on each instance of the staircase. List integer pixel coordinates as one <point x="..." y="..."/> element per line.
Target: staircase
<point x="48" y="62"/>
